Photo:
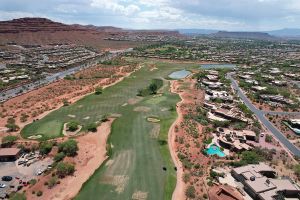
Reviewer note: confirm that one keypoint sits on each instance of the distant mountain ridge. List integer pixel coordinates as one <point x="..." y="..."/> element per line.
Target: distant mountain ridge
<point x="243" y="35"/>
<point x="289" y="32"/>
<point x="286" y="32"/>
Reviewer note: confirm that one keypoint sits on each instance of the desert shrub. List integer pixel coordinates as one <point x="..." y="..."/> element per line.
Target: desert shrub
<point x="52" y="182"/>
<point x="39" y="193"/>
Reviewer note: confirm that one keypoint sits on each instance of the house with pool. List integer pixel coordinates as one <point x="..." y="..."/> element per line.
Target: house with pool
<point x="234" y="140"/>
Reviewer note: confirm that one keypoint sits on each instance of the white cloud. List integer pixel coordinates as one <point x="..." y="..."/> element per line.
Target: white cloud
<point x="116" y="6"/>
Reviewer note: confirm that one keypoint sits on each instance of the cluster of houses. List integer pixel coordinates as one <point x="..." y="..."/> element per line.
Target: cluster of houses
<point x="274" y="77"/>
<point x="226" y="111"/>
<point x="236" y="51"/>
<point x="261" y="182"/>
<point x="31" y="61"/>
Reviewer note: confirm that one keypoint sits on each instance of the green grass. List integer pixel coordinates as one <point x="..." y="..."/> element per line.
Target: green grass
<point x="137" y="159"/>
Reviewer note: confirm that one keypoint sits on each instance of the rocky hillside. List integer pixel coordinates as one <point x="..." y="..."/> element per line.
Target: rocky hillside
<point x="45" y="31"/>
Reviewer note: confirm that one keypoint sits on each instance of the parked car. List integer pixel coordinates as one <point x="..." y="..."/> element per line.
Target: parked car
<point x="2" y="185"/>
<point x="7" y="178"/>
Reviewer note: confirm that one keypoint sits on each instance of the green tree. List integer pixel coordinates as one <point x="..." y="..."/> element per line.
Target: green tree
<point x="297" y="170"/>
<point x="153" y="88"/>
<point x="98" y="90"/>
<point x="92" y="127"/>
<point x="59" y="156"/>
<point x="72" y="126"/>
<point x="45" y="148"/>
<point x="9" y="140"/>
<point x="68" y="147"/>
<point x="64" y="169"/>
<point x="251" y="157"/>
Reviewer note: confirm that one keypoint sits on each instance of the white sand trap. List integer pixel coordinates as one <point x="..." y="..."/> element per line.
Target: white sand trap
<point x="115" y="115"/>
<point x="72" y="116"/>
<point x="153" y="119"/>
<point x="80" y="106"/>
<point x="125" y="104"/>
<point x="164" y="109"/>
<point x="86" y="118"/>
<point x="34" y="137"/>
<point x="142" y="109"/>
<point x="139" y="195"/>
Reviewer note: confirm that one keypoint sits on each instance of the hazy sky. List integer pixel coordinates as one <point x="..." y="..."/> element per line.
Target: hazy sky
<point x="171" y="14"/>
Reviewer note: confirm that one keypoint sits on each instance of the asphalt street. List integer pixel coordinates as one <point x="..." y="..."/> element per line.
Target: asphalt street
<point x="261" y="116"/>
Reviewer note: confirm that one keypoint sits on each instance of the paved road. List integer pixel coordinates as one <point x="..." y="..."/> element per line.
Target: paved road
<point x="8" y="94"/>
<point x="280" y="113"/>
<point x="260" y="115"/>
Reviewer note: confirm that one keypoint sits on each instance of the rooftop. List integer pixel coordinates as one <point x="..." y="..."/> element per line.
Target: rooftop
<point x="9" y="151"/>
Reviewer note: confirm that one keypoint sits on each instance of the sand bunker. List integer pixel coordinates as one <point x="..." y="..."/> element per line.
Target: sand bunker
<point x="142" y="109"/>
<point x="115" y="115"/>
<point x="139" y="195"/>
<point x="154" y="133"/>
<point x="153" y="119"/>
<point x="86" y="118"/>
<point x="34" y="137"/>
<point x="72" y="116"/>
<point x="125" y="104"/>
<point x="164" y="109"/>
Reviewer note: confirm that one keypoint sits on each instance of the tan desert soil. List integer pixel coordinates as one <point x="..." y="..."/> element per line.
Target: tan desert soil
<point x="179" y="192"/>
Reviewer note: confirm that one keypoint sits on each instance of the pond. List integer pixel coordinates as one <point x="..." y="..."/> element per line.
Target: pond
<point x="217" y="66"/>
<point x="179" y="74"/>
<point x="215" y="150"/>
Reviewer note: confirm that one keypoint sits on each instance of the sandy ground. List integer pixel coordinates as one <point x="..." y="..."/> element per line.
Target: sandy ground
<point x="179" y="192"/>
<point x="91" y="154"/>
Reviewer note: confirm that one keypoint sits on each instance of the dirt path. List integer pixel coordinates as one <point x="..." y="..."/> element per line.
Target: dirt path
<point x="91" y="154"/>
<point x="179" y="192"/>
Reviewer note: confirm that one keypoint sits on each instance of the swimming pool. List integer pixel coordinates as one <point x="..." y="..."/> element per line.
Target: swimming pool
<point x="215" y="150"/>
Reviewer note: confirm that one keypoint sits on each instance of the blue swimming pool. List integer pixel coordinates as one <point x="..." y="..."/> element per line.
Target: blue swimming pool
<point x="215" y="150"/>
